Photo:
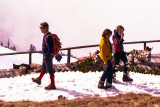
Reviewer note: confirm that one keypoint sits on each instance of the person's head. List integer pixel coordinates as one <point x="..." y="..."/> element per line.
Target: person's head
<point x="119" y="29"/>
<point x="148" y="49"/>
<point x="107" y="33"/>
<point x="97" y="52"/>
<point x="44" y="27"/>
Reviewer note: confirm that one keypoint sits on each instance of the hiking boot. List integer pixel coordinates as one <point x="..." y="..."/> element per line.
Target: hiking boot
<point x="36" y="80"/>
<point x="108" y="85"/>
<point x="50" y="87"/>
<point x="101" y="85"/>
<point x="127" y="78"/>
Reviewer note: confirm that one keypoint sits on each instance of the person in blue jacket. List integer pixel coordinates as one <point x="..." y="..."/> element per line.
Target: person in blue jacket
<point x="47" y="64"/>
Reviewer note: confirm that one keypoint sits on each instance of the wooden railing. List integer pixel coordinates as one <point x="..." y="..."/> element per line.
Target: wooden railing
<point x="77" y="47"/>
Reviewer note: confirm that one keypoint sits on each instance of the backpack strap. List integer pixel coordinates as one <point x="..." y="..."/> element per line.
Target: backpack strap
<point x="53" y="39"/>
<point x="49" y="34"/>
<point x="45" y="40"/>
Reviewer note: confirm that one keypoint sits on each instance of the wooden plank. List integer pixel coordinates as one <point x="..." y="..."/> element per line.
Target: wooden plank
<point x="66" y="68"/>
<point x="57" y="66"/>
<point x="155" y="59"/>
<point x="61" y="67"/>
<point x="2" y="74"/>
<point x="5" y="73"/>
<point x="16" y="71"/>
<point x="13" y="73"/>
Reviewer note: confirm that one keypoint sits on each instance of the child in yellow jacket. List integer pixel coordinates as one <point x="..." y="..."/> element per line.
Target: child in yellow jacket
<point x="106" y="56"/>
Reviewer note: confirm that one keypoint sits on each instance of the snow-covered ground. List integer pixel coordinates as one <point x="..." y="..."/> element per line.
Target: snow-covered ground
<point x="74" y="85"/>
<point x="69" y="84"/>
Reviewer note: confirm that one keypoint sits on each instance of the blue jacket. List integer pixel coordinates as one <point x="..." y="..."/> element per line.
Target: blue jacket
<point x="47" y="44"/>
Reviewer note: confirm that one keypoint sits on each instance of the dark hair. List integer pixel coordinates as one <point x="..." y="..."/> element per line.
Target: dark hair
<point x="119" y="27"/>
<point x="148" y="48"/>
<point x="106" y="32"/>
<point x="97" y="52"/>
<point x="45" y="25"/>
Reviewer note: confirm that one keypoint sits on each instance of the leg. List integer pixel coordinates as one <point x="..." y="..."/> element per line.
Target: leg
<point x="43" y="71"/>
<point x="117" y="56"/>
<point x="49" y="65"/>
<point x="125" y="62"/>
<point x="102" y="79"/>
<point x="104" y="75"/>
<point x="51" y="70"/>
<point x="107" y="74"/>
<point x="126" y="72"/>
<point x="38" y="79"/>
<point x="110" y="72"/>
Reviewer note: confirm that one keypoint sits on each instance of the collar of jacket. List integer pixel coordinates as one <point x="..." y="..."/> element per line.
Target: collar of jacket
<point x="107" y="42"/>
<point x="47" y="33"/>
<point x="104" y="39"/>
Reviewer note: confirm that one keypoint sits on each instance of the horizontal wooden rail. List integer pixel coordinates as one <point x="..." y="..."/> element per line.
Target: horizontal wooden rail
<point x="87" y="46"/>
<point x="141" y="42"/>
<point x="77" y="47"/>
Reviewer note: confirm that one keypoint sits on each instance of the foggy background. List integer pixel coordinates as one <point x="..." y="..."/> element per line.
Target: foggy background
<point x="78" y="22"/>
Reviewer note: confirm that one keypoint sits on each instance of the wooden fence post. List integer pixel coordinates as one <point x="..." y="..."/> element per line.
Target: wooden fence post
<point x="30" y="58"/>
<point x="68" y="56"/>
<point x="144" y="45"/>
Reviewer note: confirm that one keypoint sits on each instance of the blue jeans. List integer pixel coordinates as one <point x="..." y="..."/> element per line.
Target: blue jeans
<point x="47" y="65"/>
<point x="107" y="74"/>
<point x="120" y="56"/>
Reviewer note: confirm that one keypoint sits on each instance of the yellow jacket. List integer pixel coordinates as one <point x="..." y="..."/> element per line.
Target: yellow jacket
<point x="105" y="50"/>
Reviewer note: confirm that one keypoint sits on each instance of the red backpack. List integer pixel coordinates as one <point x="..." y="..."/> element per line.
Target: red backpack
<point x="56" y="44"/>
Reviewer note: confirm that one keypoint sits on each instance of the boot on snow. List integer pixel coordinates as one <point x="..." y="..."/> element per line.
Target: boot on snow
<point x="50" y="87"/>
<point x="101" y="85"/>
<point x="36" y="80"/>
<point x="126" y="78"/>
<point x="108" y="85"/>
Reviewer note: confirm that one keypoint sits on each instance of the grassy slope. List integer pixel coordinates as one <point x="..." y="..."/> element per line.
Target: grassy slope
<point x="126" y="100"/>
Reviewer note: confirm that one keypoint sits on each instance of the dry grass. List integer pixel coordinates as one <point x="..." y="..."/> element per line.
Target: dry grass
<point x="126" y="100"/>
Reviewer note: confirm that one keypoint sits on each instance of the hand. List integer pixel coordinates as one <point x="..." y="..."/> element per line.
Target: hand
<point x="122" y="35"/>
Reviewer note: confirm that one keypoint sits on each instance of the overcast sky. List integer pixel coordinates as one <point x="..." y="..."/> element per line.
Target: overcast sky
<point x="77" y="22"/>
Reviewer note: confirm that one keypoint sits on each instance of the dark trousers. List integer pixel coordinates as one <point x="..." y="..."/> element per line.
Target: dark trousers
<point x="107" y="74"/>
<point x="120" y="56"/>
<point x="47" y="65"/>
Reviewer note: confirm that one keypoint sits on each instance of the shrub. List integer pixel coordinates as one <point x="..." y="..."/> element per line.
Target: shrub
<point x="90" y="64"/>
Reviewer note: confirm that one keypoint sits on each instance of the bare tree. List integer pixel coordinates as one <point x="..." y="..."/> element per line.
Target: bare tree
<point x="8" y="44"/>
<point x="1" y="43"/>
<point x="32" y="48"/>
<point x="14" y="48"/>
